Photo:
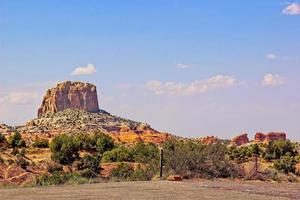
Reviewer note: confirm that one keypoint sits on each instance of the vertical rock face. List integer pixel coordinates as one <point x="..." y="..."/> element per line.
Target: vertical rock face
<point x="69" y="94"/>
<point x="240" y="139"/>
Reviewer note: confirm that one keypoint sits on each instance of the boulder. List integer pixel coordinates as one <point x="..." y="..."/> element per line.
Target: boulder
<point x="174" y="178"/>
<point x="74" y="95"/>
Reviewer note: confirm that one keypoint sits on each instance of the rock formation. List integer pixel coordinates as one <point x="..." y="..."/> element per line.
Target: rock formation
<point x="208" y="140"/>
<point x="272" y="136"/>
<point x="240" y="139"/>
<point x="82" y="96"/>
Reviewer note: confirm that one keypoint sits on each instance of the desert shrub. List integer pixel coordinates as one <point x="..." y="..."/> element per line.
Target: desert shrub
<point x="22" y="162"/>
<point x="276" y="149"/>
<point x="141" y="174"/>
<point x="99" y="142"/>
<point x="104" y="143"/>
<point x="64" y="149"/>
<point x="145" y="153"/>
<point x="54" y="167"/>
<point x="123" y="172"/>
<point x="119" y="154"/>
<point x="2" y="138"/>
<point x="85" y="141"/>
<point x="240" y="154"/>
<point x="41" y="143"/>
<point x="285" y="163"/>
<point x="89" y="162"/>
<point x="192" y="159"/>
<point x="126" y="172"/>
<point x="87" y="173"/>
<point x="15" y="140"/>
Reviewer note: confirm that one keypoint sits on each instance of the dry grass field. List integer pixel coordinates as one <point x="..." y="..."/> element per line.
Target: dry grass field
<point x="196" y="189"/>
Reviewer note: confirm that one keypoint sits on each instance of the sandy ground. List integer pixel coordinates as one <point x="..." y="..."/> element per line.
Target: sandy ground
<point x="196" y="189"/>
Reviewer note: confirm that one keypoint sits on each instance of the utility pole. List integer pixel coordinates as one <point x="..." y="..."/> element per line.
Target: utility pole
<point x="161" y="162"/>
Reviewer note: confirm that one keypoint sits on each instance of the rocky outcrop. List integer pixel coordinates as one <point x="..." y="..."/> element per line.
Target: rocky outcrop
<point x="272" y="136"/>
<point x="208" y="140"/>
<point x="240" y="139"/>
<point x="74" y="95"/>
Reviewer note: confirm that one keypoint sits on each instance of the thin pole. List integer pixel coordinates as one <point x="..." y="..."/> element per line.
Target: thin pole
<point x="161" y="162"/>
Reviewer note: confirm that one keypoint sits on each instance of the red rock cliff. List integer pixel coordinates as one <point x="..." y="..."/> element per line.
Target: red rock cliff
<point x="240" y="139"/>
<point x="260" y="137"/>
<point x="69" y="94"/>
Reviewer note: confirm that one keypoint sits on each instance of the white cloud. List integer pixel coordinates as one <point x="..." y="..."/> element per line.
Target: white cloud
<point x="86" y="70"/>
<point x="19" y="98"/>
<point x="270" y="79"/>
<point x="271" y="56"/>
<point x="182" y="66"/>
<point x="193" y="88"/>
<point x="292" y="9"/>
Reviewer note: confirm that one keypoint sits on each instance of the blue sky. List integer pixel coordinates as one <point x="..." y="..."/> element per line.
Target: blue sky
<point x="192" y="68"/>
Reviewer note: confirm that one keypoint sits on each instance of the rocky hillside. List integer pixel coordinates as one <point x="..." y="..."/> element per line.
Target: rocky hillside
<point x="72" y="121"/>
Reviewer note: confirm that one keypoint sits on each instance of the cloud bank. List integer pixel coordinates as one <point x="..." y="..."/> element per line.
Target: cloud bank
<point x="272" y="80"/>
<point x="188" y="89"/>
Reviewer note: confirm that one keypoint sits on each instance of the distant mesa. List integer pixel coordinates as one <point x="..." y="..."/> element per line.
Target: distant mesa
<point x="259" y="137"/>
<point x="73" y="95"/>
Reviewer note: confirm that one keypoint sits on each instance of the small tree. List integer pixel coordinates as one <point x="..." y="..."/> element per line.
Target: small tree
<point x="104" y="143"/>
<point x="64" y="149"/>
<point x="41" y="143"/>
<point x="15" y="140"/>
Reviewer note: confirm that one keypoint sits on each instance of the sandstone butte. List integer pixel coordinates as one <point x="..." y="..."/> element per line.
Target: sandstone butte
<point x="69" y="94"/>
<point x="259" y="137"/>
<point x="272" y="136"/>
<point x="240" y="139"/>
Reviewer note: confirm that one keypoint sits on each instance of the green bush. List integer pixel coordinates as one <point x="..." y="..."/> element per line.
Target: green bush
<point x="87" y="173"/>
<point x="286" y="164"/>
<point x="15" y="140"/>
<point x="140" y="174"/>
<point x="104" y="143"/>
<point x="64" y="149"/>
<point x="89" y="162"/>
<point x="119" y="154"/>
<point x="41" y="143"/>
<point x="276" y="149"/>
<point x="193" y="159"/>
<point x="123" y="172"/>
<point x="99" y="142"/>
<point x="145" y="153"/>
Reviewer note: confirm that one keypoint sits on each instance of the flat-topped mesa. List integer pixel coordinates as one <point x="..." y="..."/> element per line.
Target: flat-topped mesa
<point x="74" y="95"/>
<point x="272" y="136"/>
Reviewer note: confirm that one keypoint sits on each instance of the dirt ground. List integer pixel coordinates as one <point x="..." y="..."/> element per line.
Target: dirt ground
<point x="195" y="189"/>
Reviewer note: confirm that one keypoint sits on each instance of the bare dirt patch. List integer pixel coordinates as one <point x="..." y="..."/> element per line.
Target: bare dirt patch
<point x="196" y="189"/>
